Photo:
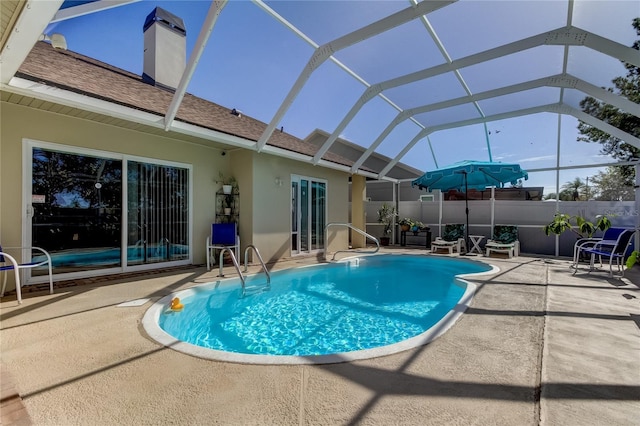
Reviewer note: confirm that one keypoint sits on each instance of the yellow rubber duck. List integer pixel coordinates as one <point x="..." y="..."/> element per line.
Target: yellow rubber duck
<point x="176" y="305"/>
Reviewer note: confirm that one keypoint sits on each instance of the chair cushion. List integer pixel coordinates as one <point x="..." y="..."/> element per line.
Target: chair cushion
<point x="223" y="234"/>
<point x="505" y="234"/>
<point x="452" y="232"/>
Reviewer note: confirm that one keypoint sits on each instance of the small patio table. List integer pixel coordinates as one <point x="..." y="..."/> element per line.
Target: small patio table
<point x="426" y="230"/>
<point x="475" y="242"/>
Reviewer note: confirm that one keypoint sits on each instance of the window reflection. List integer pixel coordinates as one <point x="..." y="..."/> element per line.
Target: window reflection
<point x="77" y="209"/>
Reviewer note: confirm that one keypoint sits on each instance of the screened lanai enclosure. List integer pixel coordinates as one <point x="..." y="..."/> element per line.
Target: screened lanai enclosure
<point x="416" y="84"/>
<point x="425" y="83"/>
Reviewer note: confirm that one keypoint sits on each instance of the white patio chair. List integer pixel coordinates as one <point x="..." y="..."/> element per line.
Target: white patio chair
<point x="9" y="262"/>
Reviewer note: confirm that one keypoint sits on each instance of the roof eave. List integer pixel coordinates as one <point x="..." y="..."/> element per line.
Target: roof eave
<point x="71" y="99"/>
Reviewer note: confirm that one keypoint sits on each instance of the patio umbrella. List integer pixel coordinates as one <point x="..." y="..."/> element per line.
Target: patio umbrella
<point x="468" y="174"/>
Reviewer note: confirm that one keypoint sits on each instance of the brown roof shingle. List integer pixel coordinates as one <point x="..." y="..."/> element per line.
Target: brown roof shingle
<point x="78" y="73"/>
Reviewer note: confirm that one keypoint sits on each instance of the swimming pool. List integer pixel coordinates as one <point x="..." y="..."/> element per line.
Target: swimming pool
<point x="354" y="309"/>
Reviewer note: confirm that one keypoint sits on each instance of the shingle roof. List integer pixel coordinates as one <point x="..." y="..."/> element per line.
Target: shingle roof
<point x="81" y="74"/>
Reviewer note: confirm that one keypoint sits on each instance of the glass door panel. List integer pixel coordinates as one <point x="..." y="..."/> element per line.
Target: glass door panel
<point x="308" y="214"/>
<point x="158" y="213"/>
<point x="304" y="215"/>
<point x="318" y="220"/>
<point x="295" y="244"/>
<point x="77" y="211"/>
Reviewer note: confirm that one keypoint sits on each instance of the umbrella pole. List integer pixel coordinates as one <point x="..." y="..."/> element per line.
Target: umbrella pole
<point x="466" y="205"/>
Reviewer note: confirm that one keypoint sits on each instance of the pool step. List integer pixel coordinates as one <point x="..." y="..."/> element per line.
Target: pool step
<point x="266" y="286"/>
<point x="258" y="288"/>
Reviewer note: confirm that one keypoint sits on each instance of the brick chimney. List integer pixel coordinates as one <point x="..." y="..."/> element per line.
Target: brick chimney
<point x="165" y="49"/>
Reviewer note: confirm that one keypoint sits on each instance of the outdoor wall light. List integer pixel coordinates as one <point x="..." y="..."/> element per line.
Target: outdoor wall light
<point x="278" y="181"/>
<point x="57" y="40"/>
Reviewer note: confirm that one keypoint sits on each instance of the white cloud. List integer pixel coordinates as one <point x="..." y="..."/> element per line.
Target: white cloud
<point x="542" y="158"/>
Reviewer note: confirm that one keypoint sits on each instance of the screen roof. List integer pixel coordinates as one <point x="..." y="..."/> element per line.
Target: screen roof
<point x="424" y="83"/>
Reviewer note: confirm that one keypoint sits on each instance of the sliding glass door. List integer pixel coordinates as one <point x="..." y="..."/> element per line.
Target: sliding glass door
<point x="78" y="211"/>
<point x="308" y="214"/>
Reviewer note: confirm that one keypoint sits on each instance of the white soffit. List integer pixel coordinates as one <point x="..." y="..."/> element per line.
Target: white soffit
<point x="31" y="23"/>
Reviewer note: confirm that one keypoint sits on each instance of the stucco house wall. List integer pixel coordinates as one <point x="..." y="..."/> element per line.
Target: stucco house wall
<point x="271" y="213"/>
<point x="265" y="208"/>
<point x="19" y="123"/>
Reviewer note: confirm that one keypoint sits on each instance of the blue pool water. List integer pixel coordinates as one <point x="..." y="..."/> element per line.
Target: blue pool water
<point x="342" y="307"/>
<point x="111" y="256"/>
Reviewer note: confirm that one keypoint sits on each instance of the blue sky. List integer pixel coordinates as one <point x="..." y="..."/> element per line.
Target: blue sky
<point x="252" y="61"/>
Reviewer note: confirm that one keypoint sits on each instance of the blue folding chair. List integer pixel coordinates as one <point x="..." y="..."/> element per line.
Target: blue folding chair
<point x="10" y="263"/>
<point x="613" y="250"/>
<point x="223" y="236"/>
<point x="610" y="234"/>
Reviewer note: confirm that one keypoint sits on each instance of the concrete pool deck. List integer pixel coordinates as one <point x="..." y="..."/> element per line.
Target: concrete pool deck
<point x="537" y="346"/>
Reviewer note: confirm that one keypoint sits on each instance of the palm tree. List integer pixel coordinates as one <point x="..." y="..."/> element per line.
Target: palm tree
<point x="575" y="188"/>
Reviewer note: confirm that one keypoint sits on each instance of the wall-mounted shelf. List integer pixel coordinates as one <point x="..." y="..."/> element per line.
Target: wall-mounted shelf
<point x="230" y="202"/>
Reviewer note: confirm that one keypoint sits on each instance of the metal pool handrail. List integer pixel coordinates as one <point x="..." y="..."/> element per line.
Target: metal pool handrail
<point x="264" y="267"/>
<point x="350" y="226"/>
<point x="235" y="264"/>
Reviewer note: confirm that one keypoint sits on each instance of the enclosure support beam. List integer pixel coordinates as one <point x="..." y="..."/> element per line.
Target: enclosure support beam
<point x="323" y="52"/>
<point x="358" y="219"/>
<point x="205" y="32"/>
